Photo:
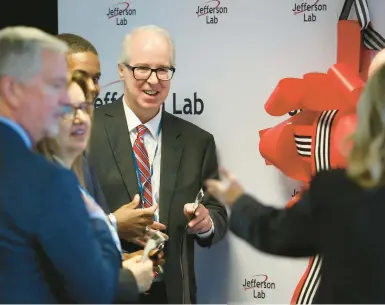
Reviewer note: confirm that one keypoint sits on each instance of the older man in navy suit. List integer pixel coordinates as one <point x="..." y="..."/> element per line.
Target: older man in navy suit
<point x="54" y="246"/>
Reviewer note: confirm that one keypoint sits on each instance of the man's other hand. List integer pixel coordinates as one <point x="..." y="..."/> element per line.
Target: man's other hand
<point x="156" y="256"/>
<point x="142" y="271"/>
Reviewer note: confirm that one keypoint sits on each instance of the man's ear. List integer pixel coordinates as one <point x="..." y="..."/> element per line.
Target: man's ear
<point x="121" y="71"/>
<point x="10" y="90"/>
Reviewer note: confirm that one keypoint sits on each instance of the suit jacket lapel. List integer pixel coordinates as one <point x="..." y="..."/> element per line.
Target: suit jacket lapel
<point x="119" y="138"/>
<point x="172" y="147"/>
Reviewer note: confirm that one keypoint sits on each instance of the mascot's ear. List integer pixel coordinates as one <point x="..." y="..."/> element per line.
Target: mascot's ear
<point x="286" y="97"/>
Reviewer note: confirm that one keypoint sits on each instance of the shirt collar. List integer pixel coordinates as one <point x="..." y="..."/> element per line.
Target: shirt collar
<point x="60" y="161"/>
<point x="19" y="129"/>
<point x="133" y="121"/>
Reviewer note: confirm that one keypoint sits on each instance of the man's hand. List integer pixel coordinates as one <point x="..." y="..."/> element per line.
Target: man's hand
<point x="156" y="226"/>
<point x="200" y="220"/>
<point x="132" y="222"/>
<point x="226" y="192"/>
<point x="127" y="256"/>
<point x="157" y="258"/>
<point x="142" y="272"/>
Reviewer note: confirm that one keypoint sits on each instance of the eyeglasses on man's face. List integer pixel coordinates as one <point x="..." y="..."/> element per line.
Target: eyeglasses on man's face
<point x="144" y="73"/>
<point x="69" y="112"/>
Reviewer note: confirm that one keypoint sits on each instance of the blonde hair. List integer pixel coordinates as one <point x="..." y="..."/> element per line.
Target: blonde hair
<point x="48" y="146"/>
<point x="366" y="160"/>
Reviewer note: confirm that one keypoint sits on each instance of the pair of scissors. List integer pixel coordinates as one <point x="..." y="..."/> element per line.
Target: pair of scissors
<point x="155" y="242"/>
<point x="198" y="200"/>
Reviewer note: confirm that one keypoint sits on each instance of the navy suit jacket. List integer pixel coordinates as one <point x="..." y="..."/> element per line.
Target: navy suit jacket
<point x="50" y="250"/>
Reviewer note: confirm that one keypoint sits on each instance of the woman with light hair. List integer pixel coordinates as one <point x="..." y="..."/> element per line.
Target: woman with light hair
<point x="67" y="150"/>
<point x="340" y="216"/>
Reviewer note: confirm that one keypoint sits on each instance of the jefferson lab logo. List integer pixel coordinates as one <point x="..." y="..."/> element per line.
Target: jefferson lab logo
<point x="212" y="11"/>
<point x="120" y="11"/>
<point x="259" y="284"/>
<point x="309" y="9"/>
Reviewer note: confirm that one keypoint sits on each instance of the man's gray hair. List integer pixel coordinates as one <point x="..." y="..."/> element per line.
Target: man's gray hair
<point x="126" y="46"/>
<point x="21" y="51"/>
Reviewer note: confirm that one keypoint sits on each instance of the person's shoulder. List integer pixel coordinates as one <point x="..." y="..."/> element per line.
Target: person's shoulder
<point x="331" y="174"/>
<point x="34" y="171"/>
<point x="44" y="174"/>
<point x="106" y="109"/>
<point x="36" y="164"/>
<point x="333" y="183"/>
<point x="52" y="174"/>
<point x="189" y="128"/>
<point x="330" y="177"/>
<point x="99" y="112"/>
<point x="43" y="183"/>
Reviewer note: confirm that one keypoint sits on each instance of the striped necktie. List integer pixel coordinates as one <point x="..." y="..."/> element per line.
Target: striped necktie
<point x="143" y="167"/>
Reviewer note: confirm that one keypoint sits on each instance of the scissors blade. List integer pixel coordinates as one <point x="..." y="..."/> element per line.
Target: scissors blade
<point x="198" y="200"/>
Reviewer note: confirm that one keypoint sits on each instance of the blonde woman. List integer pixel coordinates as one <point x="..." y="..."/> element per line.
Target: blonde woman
<point x="68" y="146"/>
<point x="340" y="217"/>
<point x="67" y="150"/>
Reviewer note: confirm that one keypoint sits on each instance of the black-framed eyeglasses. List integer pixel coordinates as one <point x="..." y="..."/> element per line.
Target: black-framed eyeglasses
<point x="144" y="73"/>
<point x="69" y="112"/>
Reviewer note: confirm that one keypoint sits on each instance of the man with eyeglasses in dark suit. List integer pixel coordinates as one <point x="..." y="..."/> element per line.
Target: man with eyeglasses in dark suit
<point x="152" y="155"/>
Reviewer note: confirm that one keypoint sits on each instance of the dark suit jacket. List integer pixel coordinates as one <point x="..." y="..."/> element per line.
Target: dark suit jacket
<point x="93" y="186"/>
<point x="335" y="218"/>
<point x="128" y="291"/>
<point x="50" y="251"/>
<point x="188" y="159"/>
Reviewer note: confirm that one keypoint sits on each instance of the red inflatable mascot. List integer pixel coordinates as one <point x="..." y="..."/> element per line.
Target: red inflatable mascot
<point x="310" y="140"/>
<point x="322" y="113"/>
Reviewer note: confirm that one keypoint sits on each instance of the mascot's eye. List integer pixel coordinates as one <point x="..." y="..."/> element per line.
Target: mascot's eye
<point x="294" y="112"/>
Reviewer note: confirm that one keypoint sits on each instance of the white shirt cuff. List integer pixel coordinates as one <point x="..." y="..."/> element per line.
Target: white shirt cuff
<point x="97" y="214"/>
<point x="113" y="221"/>
<point x="209" y="232"/>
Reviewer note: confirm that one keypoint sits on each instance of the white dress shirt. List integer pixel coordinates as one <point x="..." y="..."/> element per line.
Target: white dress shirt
<point x="151" y="140"/>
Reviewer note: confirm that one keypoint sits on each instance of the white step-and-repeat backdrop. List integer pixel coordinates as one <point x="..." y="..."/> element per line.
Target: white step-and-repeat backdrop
<point x="228" y="63"/>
